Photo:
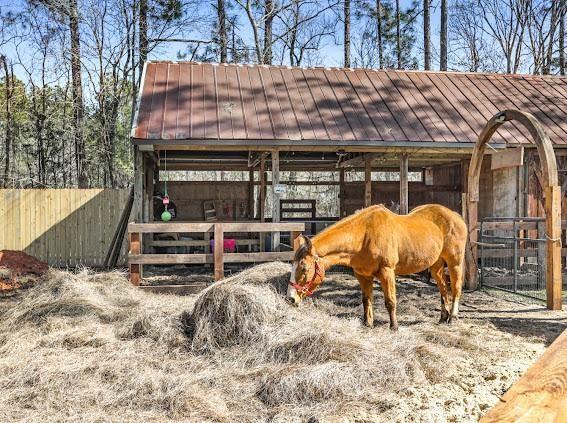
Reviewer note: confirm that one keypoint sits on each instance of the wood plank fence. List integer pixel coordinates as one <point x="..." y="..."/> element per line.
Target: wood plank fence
<point x="63" y="227"/>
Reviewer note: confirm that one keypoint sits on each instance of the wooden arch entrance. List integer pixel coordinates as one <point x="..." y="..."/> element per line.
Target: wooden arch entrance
<point x="552" y="192"/>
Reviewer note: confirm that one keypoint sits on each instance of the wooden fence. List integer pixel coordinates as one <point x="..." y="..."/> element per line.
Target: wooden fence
<point x="63" y="227"/>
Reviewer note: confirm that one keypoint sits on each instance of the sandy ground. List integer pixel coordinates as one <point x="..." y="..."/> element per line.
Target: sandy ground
<point x="492" y="344"/>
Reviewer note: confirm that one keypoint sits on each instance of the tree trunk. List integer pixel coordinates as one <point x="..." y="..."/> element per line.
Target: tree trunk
<point x="268" y="21"/>
<point x="379" y="34"/>
<point x="77" y="92"/>
<point x="443" y="53"/>
<point x="426" y="34"/>
<point x="562" y="38"/>
<point x="551" y="39"/>
<point x="398" y="36"/>
<point x="223" y="41"/>
<point x="347" y="34"/>
<point x="8" y="91"/>
<point x="143" y="34"/>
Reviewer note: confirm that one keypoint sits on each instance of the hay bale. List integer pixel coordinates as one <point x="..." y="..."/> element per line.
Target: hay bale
<point x="236" y="310"/>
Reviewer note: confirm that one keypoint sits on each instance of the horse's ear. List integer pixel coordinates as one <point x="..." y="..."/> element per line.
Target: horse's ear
<point x="303" y="240"/>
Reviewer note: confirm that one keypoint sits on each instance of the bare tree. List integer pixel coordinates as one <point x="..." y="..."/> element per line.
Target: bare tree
<point x="346" y="18"/>
<point x="398" y="36"/>
<point x="8" y="121"/>
<point x="443" y="37"/>
<point x="379" y="34"/>
<point x="223" y="41"/>
<point x="426" y="34"/>
<point x="562" y="37"/>
<point x="268" y="31"/>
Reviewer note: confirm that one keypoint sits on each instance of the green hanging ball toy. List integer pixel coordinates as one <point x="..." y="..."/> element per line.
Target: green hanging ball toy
<point x="166" y="216"/>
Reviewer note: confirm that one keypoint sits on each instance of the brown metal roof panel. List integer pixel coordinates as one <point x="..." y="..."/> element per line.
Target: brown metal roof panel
<point x="520" y="101"/>
<point x="435" y="127"/>
<point x="483" y="106"/>
<point x="377" y="108"/>
<point x="276" y="117"/>
<point x="311" y="107"/>
<point x="262" y="111"/>
<point x="225" y="105"/>
<point x="287" y="110"/>
<point x="184" y="102"/>
<point x="454" y="115"/>
<point x="145" y="102"/>
<point x="330" y="103"/>
<point x="250" y="116"/>
<point x="322" y="105"/>
<point x="297" y="105"/>
<point x="171" y="109"/>
<point x="155" y="124"/>
<point x="350" y="107"/>
<point x="400" y="111"/>
<point x="235" y="107"/>
<point x="198" y="102"/>
<point x="496" y="102"/>
<point x="358" y="107"/>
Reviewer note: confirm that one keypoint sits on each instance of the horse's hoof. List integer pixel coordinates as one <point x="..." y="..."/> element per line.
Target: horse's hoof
<point x="445" y="318"/>
<point x="394" y="328"/>
<point x="368" y="324"/>
<point x="452" y="319"/>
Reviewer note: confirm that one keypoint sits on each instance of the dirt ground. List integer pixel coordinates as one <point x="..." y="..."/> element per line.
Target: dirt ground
<point x="111" y="352"/>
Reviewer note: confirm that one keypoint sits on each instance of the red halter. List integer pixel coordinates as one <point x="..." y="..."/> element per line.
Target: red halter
<point x="307" y="289"/>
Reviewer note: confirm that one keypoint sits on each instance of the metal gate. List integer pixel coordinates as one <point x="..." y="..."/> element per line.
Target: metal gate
<point x="512" y="253"/>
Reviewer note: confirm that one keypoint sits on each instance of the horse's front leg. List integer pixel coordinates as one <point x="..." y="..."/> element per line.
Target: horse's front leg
<point x="367" y="285"/>
<point x="387" y="278"/>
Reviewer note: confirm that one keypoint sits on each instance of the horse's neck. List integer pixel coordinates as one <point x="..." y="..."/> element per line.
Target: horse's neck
<point x="337" y="245"/>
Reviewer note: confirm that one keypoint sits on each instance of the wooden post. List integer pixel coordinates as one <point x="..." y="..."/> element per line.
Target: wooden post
<point x="135" y="249"/>
<point x="404" y="189"/>
<point x="275" y="198"/>
<point x="367" y="182"/>
<point x="262" y="193"/>
<point x="342" y="211"/>
<point x="553" y="256"/>
<point x="138" y="185"/>
<point x="219" y="252"/>
<point x="251" y="194"/>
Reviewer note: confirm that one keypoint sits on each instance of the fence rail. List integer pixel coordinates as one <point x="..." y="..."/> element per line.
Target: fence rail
<point x="136" y="259"/>
<point x="63" y="227"/>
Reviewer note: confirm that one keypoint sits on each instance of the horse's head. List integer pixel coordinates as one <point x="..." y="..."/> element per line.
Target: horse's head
<point x="307" y="272"/>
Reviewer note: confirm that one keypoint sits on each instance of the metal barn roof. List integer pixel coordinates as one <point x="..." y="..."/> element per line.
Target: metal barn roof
<point x="181" y="102"/>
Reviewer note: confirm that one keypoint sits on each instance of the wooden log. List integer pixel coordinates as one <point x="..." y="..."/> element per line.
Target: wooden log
<point x="219" y="252"/>
<point x="367" y="182"/>
<point x="540" y="394"/>
<point x="186" y="289"/>
<point x="170" y="258"/>
<point x="275" y="198"/>
<point x="135" y="249"/>
<point x="404" y="184"/>
<point x="258" y="257"/>
<point x="553" y="253"/>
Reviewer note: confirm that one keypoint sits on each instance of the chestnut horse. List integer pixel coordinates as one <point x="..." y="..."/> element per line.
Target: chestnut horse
<point x="379" y="244"/>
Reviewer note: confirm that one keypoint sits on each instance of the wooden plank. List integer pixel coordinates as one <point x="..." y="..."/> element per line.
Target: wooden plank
<point x="508" y="226"/>
<point x="553" y="253"/>
<point x="219" y="252"/>
<point x="275" y="198"/>
<point x="263" y="227"/>
<point x="198" y="243"/>
<point x="511" y="157"/>
<point x="135" y="250"/>
<point x="139" y="259"/>
<point x="258" y="257"/>
<point x="186" y="289"/>
<point x="170" y="227"/>
<point x="367" y="182"/>
<point x="539" y="395"/>
<point x="404" y="191"/>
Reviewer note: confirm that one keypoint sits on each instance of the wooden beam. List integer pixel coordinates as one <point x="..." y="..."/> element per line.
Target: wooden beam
<point x="254" y="158"/>
<point x="404" y="191"/>
<point x="359" y="161"/>
<point x="170" y="258"/>
<point x="553" y="254"/>
<point x="258" y="257"/>
<point x="219" y="252"/>
<point x="275" y="197"/>
<point x="135" y="249"/>
<point x="160" y="227"/>
<point x="138" y="185"/>
<point x="251" y="194"/>
<point x="367" y="183"/>
<point x="539" y="395"/>
<point x="262" y="192"/>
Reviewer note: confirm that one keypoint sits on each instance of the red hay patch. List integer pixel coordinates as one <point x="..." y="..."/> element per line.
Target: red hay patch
<point x="14" y="265"/>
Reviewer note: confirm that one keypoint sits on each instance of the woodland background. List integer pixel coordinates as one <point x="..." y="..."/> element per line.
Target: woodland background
<point x="70" y="69"/>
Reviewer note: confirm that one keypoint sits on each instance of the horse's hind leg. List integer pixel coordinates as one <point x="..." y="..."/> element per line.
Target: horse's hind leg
<point x="456" y="275"/>
<point x="438" y="273"/>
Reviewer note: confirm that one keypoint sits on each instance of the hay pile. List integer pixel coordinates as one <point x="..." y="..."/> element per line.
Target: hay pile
<point x="91" y="347"/>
